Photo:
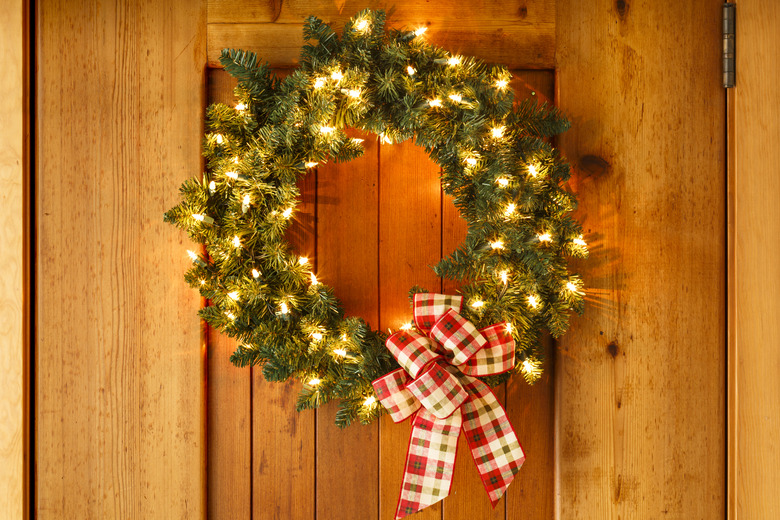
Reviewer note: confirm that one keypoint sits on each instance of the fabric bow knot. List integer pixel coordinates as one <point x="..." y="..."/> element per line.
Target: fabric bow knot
<point x="436" y="383"/>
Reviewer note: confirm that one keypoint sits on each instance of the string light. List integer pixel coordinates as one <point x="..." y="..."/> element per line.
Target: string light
<point x="498" y="132"/>
<point x="510" y="209"/>
<point x="233" y="175"/>
<point x="501" y="84"/>
<point x="456" y="97"/>
<point x="314" y="381"/>
<point x="362" y="25"/>
<point x="571" y="286"/>
<point x="410" y="70"/>
<point x="327" y="130"/>
<point x="337" y="76"/>
<point x="354" y="93"/>
<point x="230" y="315"/>
<point x="255" y="273"/>
<point x="233" y="295"/>
<point x="477" y="304"/>
<point x="192" y="254"/>
<point x="453" y="61"/>
<point x="314" y="279"/>
<point x="384" y="139"/>
<point x="369" y="401"/>
<point x="316" y="336"/>
<point x="340" y="352"/>
<point x="533" y="300"/>
<point x="498" y="244"/>
<point x="434" y="102"/>
<point x="504" y="276"/>
<point x="319" y="83"/>
<point x="528" y="367"/>
<point x="241" y="107"/>
<point x="283" y="308"/>
<point x="532" y="170"/>
<point x="545" y="237"/>
<point x="420" y="31"/>
<point x="212" y="186"/>
<point x="202" y="282"/>
<point x="219" y="139"/>
<point x="311" y="164"/>
<point x="245" y="203"/>
<point x="579" y="241"/>
<point x="344" y="337"/>
<point x="236" y="241"/>
<point x="303" y="260"/>
<point x="471" y="161"/>
<point x="198" y="217"/>
<point x="357" y="140"/>
<point x="406" y="326"/>
<point x="503" y="182"/>
<point x="508" y="328"/>
<point x="235" y="160"/>
<point x="287" y="213"/>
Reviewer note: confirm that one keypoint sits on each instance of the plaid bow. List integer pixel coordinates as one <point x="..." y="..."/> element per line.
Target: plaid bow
<point x="436" y="384"/>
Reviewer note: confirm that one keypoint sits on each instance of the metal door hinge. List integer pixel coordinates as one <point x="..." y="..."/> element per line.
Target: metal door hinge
<point x="729" y="45"/>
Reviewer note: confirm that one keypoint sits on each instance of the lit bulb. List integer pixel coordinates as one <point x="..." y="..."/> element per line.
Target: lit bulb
<point x="235" y="160"/>
<point x="245" y="203"/>
<point x="255" y="273"/>
<point x="504" y="276"/>
<point x="477" y="304"/>
<point x="532" y="170"/>
<point x="501" y="84"/>
<point x="498" y="244"/>
<point x="406" y="326"/>
<point x="354" y="93"/>
<point x="212" y="186"/>
<point x="287" y="213"/>
<point x="453" y="61"/>
<point x="340" y="352"/>
<point x="337" y="76"/>
<point x="410" y="70"/>
<point x="319" y="83"/>
<point x="457" y="98"/>
<point x="236" y="241"/>
<point x="471" y="161"/>
<point x="362" y="25"/>
<point x="528" y="366"/>
<point x="545" y="237"/>
<point x="327" y="130"/>
<point x="283" y="308"/>
<point x="314" y="381"/>
<point x="192" y="254"/>
<point x="508" y="328"/>
<point x="579" y="241"/>
<point x="369" y="401"/>
<point x="571" y="286"/>
<point x="498" y="132"/>
<point x="420" y="31"/>
<point x="311" y="164"/>
<point x="434" y="102"/>
<point x="219" y="139"/>
<point x="316" y="336"/>
<point x="510" y="209"/>
<point x="533" y="300"/>
<point x="240" y="107"/>
<point x="233" y="295"/>
<point x="198" y="217"/>
<point x="503" y="182"/>
<point x="233" y="175"/>
<point x="385" y="139"/>
<point x="203" y="282"/>
<point x="357" y="140"/>
<point x="230" y="315"/>
<point x="303" y="260"/>
<point x="314" y="279"/>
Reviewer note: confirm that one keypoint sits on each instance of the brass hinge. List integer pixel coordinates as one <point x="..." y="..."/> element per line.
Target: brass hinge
<point x="729" y="45"/>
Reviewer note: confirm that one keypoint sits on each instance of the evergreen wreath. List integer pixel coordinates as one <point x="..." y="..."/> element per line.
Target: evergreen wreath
<point x="505" y="177"/>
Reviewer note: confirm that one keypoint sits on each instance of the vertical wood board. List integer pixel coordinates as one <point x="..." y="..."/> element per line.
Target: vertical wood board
<point x="120" y="426"/>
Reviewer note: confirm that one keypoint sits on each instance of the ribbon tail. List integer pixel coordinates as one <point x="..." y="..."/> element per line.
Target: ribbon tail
<point x="492" y="440"/>
<point x="430" y="461"/>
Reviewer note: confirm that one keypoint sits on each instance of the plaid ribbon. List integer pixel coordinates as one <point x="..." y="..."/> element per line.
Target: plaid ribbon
<point x="435" y="384"/>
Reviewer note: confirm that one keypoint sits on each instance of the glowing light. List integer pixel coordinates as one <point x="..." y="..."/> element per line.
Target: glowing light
<point x="533" y="171"/>
<point x="198" y="217"/>
<point x="344" y="337"/>
<point x="316" y="336"/>
<point x="457" y="98"/>
<point x="508" y="328"/>
<point x="240" y="107"/>
<point x="477" y="304"/>
<point x="528" y="366"/>
<point x="533" y="300"/>
<point x="255" y="273"/>
<point x="230" y="315"/>
<point x="337" y="76"/>
<point x="314" y="381"/>
<point x="303" y="260"/>
<point x="219" y="139"/>
<point x="504" y="276"/>
<point x="406" y="326"/>
<point x="212" y="186"/>
<point x="471" y="161"/>
<point x="498" y="244"/>
<point x="384" y="139"/>
<point x="203" y="282"/>
<point x="354" y="93"/>
<point x="453" y="61"/>
<point x="311" y="164"/>
<point x="319" y="83"/>
<point x="369" y="401"/>
<point x="192" y="254"/>
<point x="235" y="160"/>
<point x="357" y="140"/>
<point x="501" y="84"/>
<point x="420" y="31"/>
<point x="236" y="241"/>
<point x="245" y="203"/>
<point x="287" y="213"/>
<point x="579" y="241"/>
<point x="233" y="175"/>
<point x="340" y="352"/>
<point x="314" y="279"/>
<point x="327" y="130"/>
<point x="434" y="102"/>
<point x="410" y="70"/>
<point x="233" y="295"/>
<point x="545" y="237"/>
<point x="503" y="182"/>
<point x="361" y="25"/>
<point x="498" y="132"/>
<point x="571" y="286"/>
<point x="283" y="308"/>
<point x="510" y="209"/>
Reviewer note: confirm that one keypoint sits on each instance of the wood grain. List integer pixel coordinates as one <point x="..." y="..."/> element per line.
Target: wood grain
<point x="519" y="34"/>
<point x="640" y="395"/>
<point x="347" y="248"/>
<point x="13" y="176"/>
<point x="120" y="418"/>
<point x="755" y="347"/>
<point x="409" y="243"/>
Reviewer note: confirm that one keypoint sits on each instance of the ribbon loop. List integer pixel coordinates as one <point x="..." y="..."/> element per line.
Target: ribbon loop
<point x="459" y="337"/>
<point x="395" y="397"/>
<point x="412" y="350"/>
<point x="438" y="391"/>
<point x="429" y="306"/>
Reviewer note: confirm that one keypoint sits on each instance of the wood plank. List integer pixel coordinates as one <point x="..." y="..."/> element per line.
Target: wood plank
<point x="284" y="441"/>
<point x="229" y="396"/>
<point x="409" y="242"/>
<point x="754" y="298"/>
<point x="14" y="170"/>
<point x="518" y="34"/>
<point x="640" y="378"/>
<point x="120" y="419"/>
<point x="347" y="248"/>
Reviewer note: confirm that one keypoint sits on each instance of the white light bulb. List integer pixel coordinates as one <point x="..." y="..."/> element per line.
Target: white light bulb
<point x="510" y="209"/>
<point x="545" y="237"/>
<point x="410" y="70"/>
<point x="579" y="241"/>
<point x="327" y="130"/>
<point x="369" y="401"/>
<point x="303" y="260"/>
<point x="240" y="107"/>
<point x="361" y="25"/>
<point x="192" y="254"/>
<point x="354" y="93"/>
<point x="571" y="286"/>
<point x="255" y="273"/>
<point x="504" y="276"/>
<point x="233" y="175"/>
<point x="457" y="98"/>
<point x="219" y="139"/>
<point x="316" y="336"/>
<point x="420" y="31"/>
<point x="453" y="61"/>
<point x="532" y="170"/>
<point x="314" y="381"/>
<point x="311" y="164"/>
<point x="283" y="308"/>
<point x="406" y="326"/>
<point x="501" y="84"/>
<point x="533" y="300"/>
<point x="233" y="295"/>
<point x="471" y="161"/>
<point x="498" y="132"/>
<point x="498" y="244"/>
<point x="245" y="203"/>
<point x="287" y="213"/>
<point x="340" y="352"/>
<point x="434" y="102"/>
<point x="212" y="186"/>
<point x="236" y="241"/>
<point x="337" y="76"/>
<point x="319" y="83"/>
<point x="508" y="328"/>
<point x="230" y="315"/>
<point x="314" y="279"/>
<point x="198" y="217"/>
<point x="477" y="304"/>
<point x="235" y="160"/>
<point x="503" y="182"/>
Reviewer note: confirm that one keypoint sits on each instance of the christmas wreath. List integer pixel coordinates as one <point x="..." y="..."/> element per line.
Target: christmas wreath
<point x="496" y="162"/>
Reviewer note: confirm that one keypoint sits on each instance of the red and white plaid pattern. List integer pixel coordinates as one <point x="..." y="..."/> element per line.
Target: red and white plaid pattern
<point x="493" y="443"/>
<point x="444" y="396"/>
<point x="459" y="337"/>
<point x="429" y="306"/>
<point x="412" y="350"/>
<point x="438" y="391"/>
<point x="391" y="391"/>
<point x="430" y="462"/>
<point x="496" y="357"/>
